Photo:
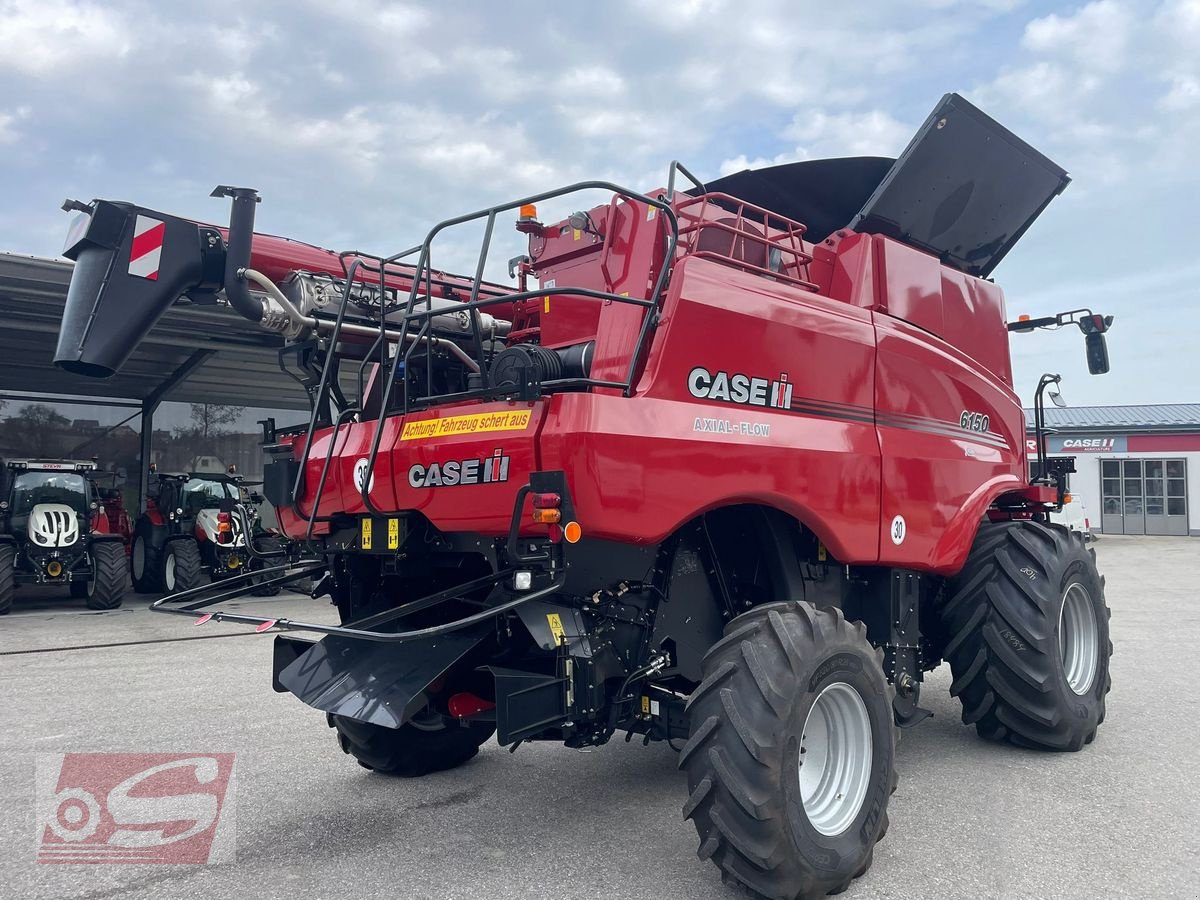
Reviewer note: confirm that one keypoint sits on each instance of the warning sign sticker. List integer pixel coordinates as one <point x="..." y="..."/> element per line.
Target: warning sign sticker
<point x="554" y="620"/>
<point x="478" y="423"/>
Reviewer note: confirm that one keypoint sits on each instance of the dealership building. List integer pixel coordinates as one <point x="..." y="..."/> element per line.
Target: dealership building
<point x="1137" y="467"/>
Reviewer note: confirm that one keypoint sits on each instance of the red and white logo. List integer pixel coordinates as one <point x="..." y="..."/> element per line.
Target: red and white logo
<point x="146" y="249"/>
<point x="105" y="808"/>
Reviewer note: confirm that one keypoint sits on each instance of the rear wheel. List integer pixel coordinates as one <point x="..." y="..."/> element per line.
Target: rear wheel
<point x="428" y="743"/>
<point x="145" y="565"/>
<point x="790" y="762"/>
<point x="1027" y="636"/>
<point x="8" y="577"/>
<point x="182" y="570"/>
<point x="108" y="583"/>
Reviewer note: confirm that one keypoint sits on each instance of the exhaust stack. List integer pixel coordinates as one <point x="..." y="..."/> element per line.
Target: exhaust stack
<point x="131" y="265"/>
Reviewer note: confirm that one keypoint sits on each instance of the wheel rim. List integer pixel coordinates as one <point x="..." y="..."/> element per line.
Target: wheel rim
<point x="835" y="759"/>
<point x="169" y="572"/>
<point x="1079" y="638"/>
<point x="428" y="720"/>
<point x="139" y="559"/>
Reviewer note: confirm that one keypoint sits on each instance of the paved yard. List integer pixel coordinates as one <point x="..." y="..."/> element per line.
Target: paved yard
<point x="970" y="820"/>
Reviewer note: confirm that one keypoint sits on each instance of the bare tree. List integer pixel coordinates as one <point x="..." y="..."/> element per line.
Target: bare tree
<point x="210" y="419"/>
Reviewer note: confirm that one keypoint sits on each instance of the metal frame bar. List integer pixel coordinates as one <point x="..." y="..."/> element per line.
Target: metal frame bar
<point x="150" y="406"/>
<point x="235" y="587"/>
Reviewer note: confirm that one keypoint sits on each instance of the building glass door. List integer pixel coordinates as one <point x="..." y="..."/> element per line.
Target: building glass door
<point x="1143" y="496"/>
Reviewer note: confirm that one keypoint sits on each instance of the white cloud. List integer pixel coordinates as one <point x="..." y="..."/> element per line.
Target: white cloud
<point x="10" y="133"/>
<point x="53" y="36"/>
<point x="1184" y="94"/>
<point x="820" y="134"/>
<point x="1094" y="37"/>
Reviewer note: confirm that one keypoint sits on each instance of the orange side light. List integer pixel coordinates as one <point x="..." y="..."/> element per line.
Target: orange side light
<point x="1023" y="317"/>
<point x="572" y="532"/>
<point x="547" y="516"/>
<point x="1066" y="498"/>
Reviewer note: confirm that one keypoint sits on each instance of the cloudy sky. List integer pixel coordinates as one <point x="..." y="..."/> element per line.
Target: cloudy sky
<point x="363" y="123"/>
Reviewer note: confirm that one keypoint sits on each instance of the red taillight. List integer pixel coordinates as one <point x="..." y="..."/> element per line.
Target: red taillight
<point x="545" y="509"/>
<point x="224" y="528"/>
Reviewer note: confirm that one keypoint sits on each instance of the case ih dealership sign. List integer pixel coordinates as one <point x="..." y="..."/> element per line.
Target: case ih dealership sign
<point x="1091" y="444"/>
<point x="1059" y="443"/>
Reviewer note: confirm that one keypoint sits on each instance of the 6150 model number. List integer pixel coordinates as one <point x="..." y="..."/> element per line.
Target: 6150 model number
<point x="973" y="421"/>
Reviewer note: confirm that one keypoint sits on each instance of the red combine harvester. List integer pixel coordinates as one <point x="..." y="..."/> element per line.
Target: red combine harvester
<point x="734" y="466"/>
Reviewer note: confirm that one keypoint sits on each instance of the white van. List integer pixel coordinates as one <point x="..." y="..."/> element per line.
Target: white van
<point x="1075" y="516"/>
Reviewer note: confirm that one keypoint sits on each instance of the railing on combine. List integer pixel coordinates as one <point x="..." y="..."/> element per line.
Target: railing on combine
<point x="735" y="233"/>
<point x="718" y="226"/>
<point x="419" y="312"/>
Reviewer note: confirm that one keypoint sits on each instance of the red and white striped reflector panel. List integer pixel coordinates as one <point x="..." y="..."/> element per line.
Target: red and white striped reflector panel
<point x="146" y="250"/>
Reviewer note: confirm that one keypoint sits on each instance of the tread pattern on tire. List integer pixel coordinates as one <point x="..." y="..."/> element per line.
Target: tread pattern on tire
<point x="735" y="794"/>
<point x="152" y="567"/>
<point x="8" y="577"/>
<point x="188" y="569"/>
<point x="407" y="751"/>
<point x="112" y="573"/>
<point x="1000" y="621"/>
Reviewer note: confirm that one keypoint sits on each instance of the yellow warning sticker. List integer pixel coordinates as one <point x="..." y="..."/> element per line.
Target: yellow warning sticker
<point x="556" y="628"/>
<point x="546" y="305"/>
<point x="479" y="423"/>
<point x="645" y="706"/>
<point x="576" y="234"/>
<point x="393" y="534"/>
<point x="365" y="543"/>
<point x="821" y="554"/>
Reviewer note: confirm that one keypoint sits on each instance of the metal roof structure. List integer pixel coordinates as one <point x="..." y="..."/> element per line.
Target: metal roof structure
<point x="201" y="354"/>
<point x="1160" y="417"/>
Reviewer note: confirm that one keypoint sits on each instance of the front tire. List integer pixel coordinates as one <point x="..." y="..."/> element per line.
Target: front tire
<point x="8" y="577"/>
<point x="429" y="743"/>
<point x="145" y="565"/>
<point x="1028" y="640"/>
<point x="107" y="586"/>
<point x="182" y="569"/>
<point x="790" y="762"/>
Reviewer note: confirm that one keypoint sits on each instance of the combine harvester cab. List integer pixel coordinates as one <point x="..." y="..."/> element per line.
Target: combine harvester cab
<point x="734" y="466"/>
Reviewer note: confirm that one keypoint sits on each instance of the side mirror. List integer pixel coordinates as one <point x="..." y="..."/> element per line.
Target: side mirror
<point x="1097" y="353"/>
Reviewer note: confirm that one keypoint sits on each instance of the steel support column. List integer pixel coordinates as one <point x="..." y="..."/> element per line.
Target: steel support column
<point x="150" y="406"/>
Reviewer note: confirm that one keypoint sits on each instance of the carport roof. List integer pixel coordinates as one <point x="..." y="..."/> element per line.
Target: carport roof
<point x="243" y="368"/>
<point x="1160" y="417"/>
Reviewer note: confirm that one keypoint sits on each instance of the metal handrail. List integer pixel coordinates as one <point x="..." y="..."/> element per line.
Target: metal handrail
<point x="474" y="304"/>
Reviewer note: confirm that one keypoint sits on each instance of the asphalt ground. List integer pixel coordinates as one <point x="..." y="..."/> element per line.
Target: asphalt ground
<point x="970" y="819"/>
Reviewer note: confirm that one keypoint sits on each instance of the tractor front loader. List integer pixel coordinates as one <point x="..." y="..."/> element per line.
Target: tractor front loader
<point x="731" y="467"/>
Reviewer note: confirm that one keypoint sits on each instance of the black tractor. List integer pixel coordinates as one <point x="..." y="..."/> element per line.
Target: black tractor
<point x="197" y="525"/>
<point x="54" y="531"/>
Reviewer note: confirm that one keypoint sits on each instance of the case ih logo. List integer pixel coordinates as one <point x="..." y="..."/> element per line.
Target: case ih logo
<point x="1089" y="443"/>
<point x="104" y="808"/>
<point x="741" y="389"/>
<point x="487" y="470"/>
